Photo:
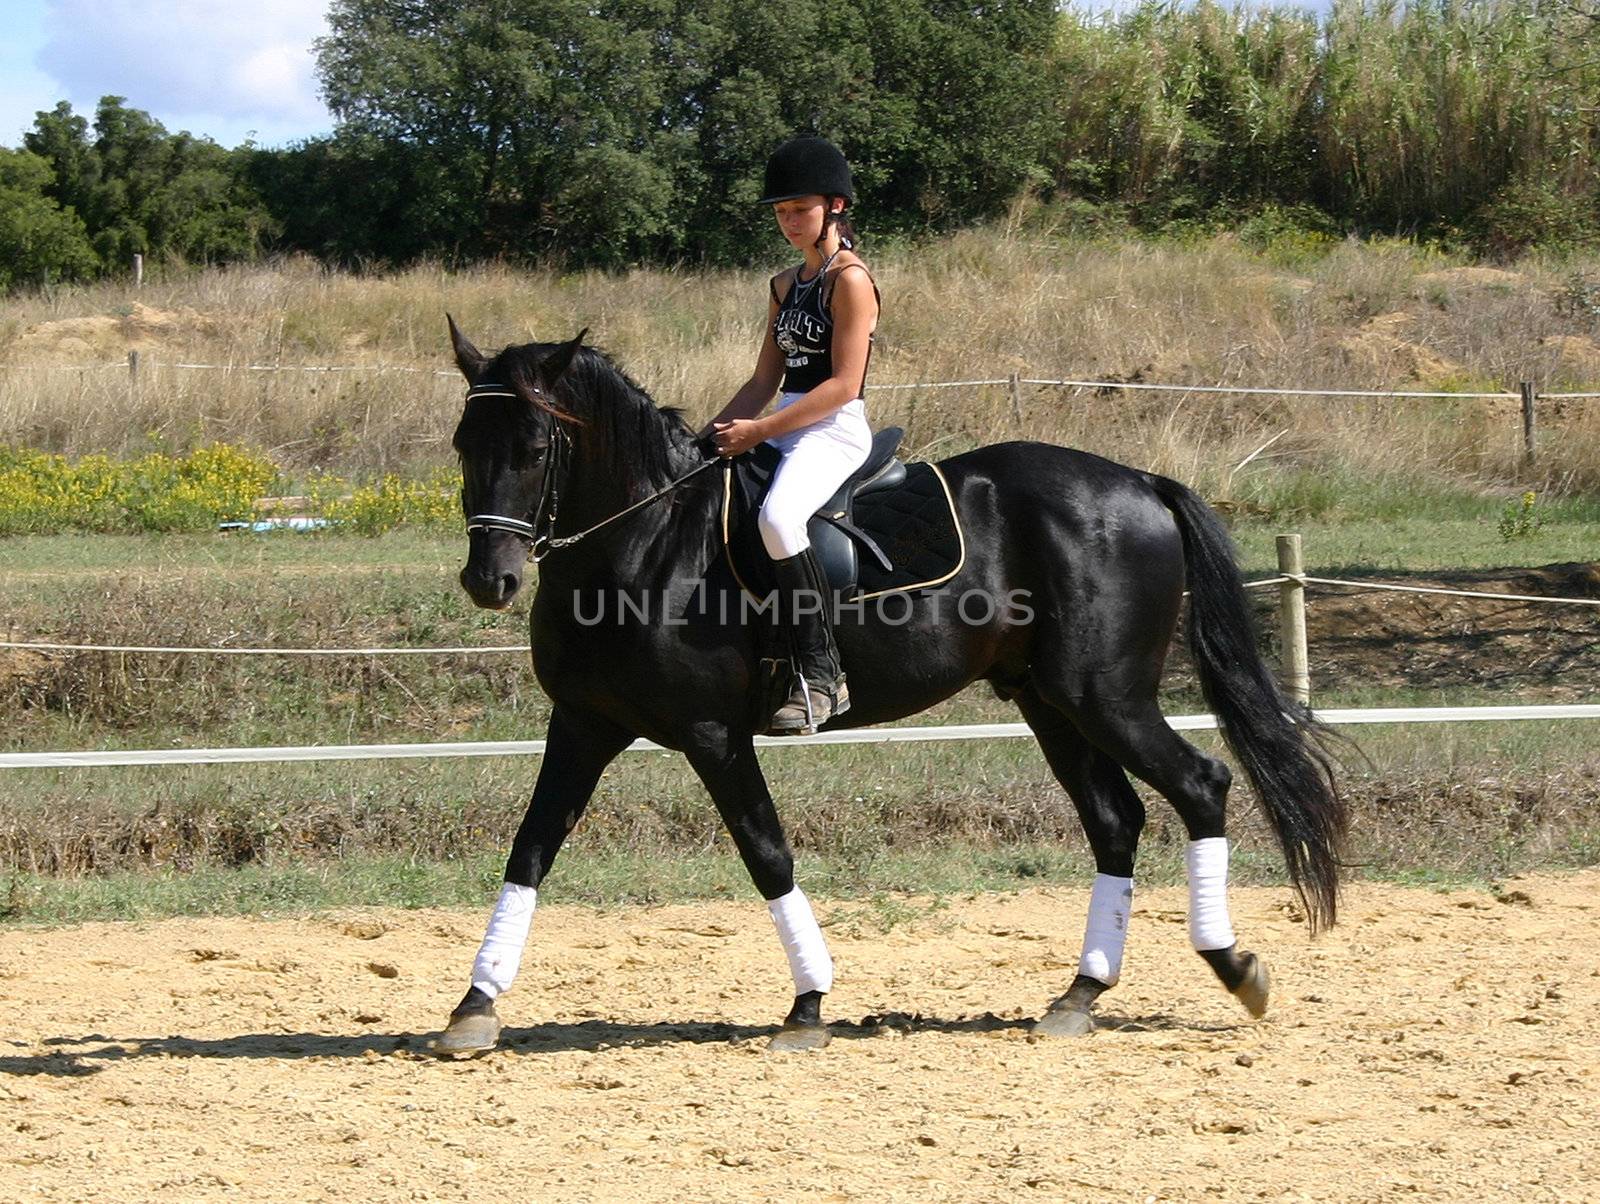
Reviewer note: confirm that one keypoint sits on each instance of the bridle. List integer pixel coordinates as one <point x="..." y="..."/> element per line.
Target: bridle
<point x="538" y="530"/>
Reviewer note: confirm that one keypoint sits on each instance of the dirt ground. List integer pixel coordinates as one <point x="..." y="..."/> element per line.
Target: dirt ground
<point x="1437" y="1044"/>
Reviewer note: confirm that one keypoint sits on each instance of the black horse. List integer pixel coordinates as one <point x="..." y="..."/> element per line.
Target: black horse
<point x="555" y="440"/>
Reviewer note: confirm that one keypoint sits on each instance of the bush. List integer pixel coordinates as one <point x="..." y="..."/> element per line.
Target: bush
<point x="213" y="484"/>
<point x="1290" y="235"/>
<point x="1525" y="215"/>
<point x="393" y="501"/>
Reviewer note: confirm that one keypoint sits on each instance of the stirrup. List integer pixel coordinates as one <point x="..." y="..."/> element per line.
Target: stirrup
<point x="808" y="708"/>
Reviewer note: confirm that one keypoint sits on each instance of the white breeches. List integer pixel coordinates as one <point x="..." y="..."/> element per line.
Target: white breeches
<point x="816" y="461"/>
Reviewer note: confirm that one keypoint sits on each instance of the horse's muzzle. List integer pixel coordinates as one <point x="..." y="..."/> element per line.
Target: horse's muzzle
<point x="492" y="591"/>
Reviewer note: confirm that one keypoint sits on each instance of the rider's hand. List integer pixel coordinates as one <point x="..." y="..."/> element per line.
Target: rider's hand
<point x="737" y="435"/>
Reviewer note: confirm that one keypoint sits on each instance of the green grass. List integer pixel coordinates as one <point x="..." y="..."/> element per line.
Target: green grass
<point x="886" y="889"/>
<point x="1459" y="532"/>
<point x="422" y="552"/>
<point x="1462" y="802"/>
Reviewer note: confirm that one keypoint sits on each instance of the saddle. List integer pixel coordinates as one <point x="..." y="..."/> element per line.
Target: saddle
<point x="890" y="527"/>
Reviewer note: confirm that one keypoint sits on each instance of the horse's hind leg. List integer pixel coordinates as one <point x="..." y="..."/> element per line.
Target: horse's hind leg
<point x="726" y="763"/>
<point x="1136" y="734"/>
<point x="1113" y="817"/>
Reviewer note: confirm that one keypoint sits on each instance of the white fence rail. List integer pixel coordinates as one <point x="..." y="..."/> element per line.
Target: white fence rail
<point x="879" y="735"/>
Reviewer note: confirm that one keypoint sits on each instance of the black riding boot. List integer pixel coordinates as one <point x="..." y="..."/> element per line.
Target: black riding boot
<point x="819" y="691"/>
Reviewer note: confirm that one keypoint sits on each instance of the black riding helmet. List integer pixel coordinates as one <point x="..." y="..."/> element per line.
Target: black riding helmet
<point x="804" y="167"/>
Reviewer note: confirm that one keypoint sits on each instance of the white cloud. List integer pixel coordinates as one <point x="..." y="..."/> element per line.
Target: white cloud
<point x="243" y="61"/>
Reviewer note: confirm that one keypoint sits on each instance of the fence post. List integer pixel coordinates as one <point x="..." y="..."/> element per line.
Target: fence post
<point x="1016" y="399"/>
<point x="1528" y="395"/>
<point x="138" y="271"/>
<point x="1292" y="618"/>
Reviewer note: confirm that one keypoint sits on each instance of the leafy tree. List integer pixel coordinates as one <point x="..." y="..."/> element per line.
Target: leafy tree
<point x="141" y="190"/>
<point x="39" y="240"/>
<point x="61" y="138"/>
<point x="618" y="130"/>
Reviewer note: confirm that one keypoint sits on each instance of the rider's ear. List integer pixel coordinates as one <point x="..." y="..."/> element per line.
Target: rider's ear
<point x="559" y="360"/>
<point x="468" y="358"/>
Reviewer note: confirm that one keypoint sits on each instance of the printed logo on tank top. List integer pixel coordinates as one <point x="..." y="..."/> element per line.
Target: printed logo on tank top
<point x="799" y="335"/>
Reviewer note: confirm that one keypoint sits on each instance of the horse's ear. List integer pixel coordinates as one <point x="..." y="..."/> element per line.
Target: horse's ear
<point x="468" y="358"/>
<point x="559" y="360"/>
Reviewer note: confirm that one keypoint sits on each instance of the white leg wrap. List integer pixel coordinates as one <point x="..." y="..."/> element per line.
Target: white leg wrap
<point x="809" y="960"/>
<point x="501" y="952"/>
<point x="1207" y="862"/>
<point x="1110" y="901"/>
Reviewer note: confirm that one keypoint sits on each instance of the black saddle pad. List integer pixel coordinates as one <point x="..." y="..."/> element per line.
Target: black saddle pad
<point x="914" y="524"/>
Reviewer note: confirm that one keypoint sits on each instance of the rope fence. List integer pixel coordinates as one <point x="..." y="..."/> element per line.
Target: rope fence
<point x="1256" y="390"/>
<point x="490" y="649"/>
<point x="135" y="363"/>
<point x="1527" y="392"/>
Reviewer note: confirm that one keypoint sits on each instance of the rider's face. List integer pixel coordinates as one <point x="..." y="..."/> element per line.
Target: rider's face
<point x="801" y="218"/>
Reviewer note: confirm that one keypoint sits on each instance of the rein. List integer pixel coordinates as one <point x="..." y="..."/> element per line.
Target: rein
<point x="542" y="542"/>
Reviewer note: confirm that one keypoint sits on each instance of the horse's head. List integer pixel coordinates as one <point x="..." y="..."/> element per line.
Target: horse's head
<point x="513" y="445"/>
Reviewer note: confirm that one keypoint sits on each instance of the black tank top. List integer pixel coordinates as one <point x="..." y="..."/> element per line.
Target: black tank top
<point x="803" y="331"/>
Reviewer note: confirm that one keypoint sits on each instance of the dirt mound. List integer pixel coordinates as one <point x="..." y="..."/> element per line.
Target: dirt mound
<point x="1574" y="357"/>
<point x="1543" y="652"/>
<point x="138" y="328"/>
<point x="1377" y="350"/>
<point x="1268" y="281"/>
<point x="1475" y="277"/>
<point x="1438" y="1044"/>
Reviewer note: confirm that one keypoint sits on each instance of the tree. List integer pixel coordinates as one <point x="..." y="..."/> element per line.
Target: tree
<point x="617" y="130"/>
<point x="40" y="241"/>
<point x="141" y="190"/>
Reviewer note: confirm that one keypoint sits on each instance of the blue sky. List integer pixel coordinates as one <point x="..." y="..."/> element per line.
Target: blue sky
<point x="225" y="69"/>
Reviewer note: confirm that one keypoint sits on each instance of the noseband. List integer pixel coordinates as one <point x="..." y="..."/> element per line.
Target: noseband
<point x="538" y="530"/>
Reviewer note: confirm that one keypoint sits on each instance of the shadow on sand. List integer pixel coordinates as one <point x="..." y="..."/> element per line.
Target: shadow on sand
<point x="68" y="1057"/>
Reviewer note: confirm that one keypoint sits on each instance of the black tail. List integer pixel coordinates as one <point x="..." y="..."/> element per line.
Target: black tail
<point x="1275" y="738"/>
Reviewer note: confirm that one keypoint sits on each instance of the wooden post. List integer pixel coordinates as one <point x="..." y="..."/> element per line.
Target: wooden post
<point x="1527" y="422"/>
<point x="1016" y="399"/>
<point x="138" y="271"/>
<point x="1292" y="618"/>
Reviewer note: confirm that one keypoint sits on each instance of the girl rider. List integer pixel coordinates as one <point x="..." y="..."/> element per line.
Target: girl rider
<point x="820" y="320"/>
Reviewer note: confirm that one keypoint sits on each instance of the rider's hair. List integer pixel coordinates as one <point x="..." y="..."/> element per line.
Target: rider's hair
<point x="848" y="237"/>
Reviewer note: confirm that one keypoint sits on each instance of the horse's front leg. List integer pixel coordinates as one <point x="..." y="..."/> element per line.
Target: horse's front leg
<point x="577" y="749"/>
<point x="726" y="762"/>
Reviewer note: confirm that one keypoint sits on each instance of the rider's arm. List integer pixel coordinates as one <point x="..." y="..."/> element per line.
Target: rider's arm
<point x="756" y="392"/>
<point x="855" y="313"/>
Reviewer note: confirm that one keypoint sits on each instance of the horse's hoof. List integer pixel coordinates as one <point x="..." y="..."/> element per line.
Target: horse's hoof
<point x="1066" y="1022"/>
<point x="468" y="1034"/>
<point x="1252" y="992"/>
<point x="795" y="1038"/>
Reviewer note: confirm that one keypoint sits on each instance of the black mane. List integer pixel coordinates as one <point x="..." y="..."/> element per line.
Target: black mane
<point x="616" y="424"/>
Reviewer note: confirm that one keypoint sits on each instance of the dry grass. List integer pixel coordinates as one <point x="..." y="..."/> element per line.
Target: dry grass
<point x="983" y="303"/>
